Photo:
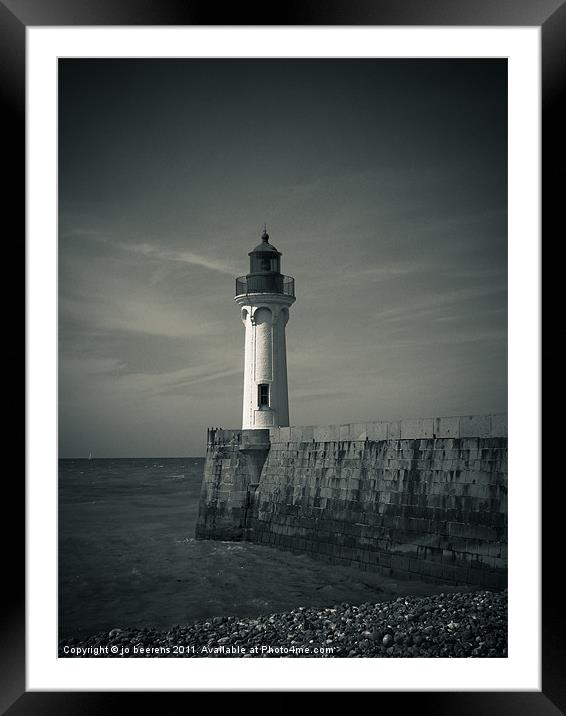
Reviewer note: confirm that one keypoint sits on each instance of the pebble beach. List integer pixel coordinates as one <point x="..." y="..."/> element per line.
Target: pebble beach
<point x="452" y="625"/>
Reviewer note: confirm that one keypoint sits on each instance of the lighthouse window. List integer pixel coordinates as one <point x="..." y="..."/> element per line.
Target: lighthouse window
<point x="263" y="395"/>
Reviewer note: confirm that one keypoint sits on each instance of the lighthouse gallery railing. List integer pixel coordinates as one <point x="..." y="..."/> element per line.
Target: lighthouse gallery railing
<point x="265" y="284"/>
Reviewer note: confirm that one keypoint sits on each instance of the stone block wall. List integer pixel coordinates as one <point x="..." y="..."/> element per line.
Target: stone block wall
<point x="420" y="499"/>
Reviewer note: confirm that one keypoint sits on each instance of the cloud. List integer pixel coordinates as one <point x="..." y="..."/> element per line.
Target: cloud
<point x="457" y="338"/>
<point x="180" y="386"/>
<point x="154" y="251"/>
<point x="104" y="293"/>
<point x="186" y="257"/>
<point x="112" y="376"/>
<point x="426" y="306"/>
<point x="384" y="271"/>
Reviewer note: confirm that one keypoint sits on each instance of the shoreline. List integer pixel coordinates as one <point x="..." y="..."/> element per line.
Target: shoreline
<point x="446" y="625"/>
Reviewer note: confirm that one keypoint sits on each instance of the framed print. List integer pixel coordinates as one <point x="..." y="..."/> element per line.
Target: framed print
<point x="356" y="505"/>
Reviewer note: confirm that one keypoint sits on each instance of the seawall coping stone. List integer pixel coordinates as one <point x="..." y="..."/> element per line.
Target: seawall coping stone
<point x="468" y="426"/>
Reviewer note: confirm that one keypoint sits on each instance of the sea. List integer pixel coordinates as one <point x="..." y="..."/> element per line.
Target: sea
<point x="128" y="557"/>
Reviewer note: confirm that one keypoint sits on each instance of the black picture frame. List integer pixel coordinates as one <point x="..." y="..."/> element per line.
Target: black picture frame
<point x="15" y="16"/>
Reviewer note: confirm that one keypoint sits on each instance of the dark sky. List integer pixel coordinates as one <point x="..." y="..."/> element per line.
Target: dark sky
<point x="382" y="182"/>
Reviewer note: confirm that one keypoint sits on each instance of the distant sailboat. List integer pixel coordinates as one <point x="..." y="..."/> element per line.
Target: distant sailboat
<point x="90" y="456"/>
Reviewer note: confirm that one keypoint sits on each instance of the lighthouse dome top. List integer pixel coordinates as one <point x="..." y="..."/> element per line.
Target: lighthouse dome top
<point x="265" y="246"/>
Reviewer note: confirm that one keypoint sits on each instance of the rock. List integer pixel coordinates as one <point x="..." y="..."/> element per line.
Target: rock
<point x="460" y="624"/>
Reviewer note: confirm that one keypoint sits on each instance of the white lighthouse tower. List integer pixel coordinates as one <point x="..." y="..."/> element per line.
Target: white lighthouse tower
<point x="264" y="297"/>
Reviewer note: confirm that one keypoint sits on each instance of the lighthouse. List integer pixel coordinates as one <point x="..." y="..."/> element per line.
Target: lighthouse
<point x="264" y="296"/>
